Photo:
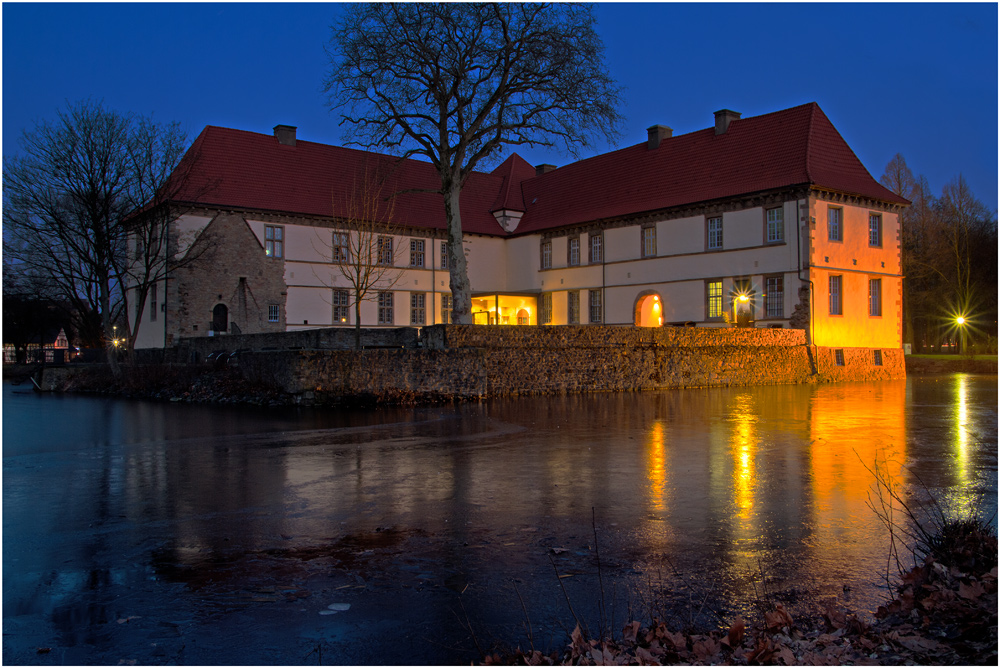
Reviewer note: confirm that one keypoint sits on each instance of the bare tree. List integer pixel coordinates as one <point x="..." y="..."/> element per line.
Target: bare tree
<point x="455" y="82"/>
<point x="67" y="197"/>
<point x="363" y="249"/>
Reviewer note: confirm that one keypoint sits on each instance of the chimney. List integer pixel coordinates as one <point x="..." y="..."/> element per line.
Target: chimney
<point x="285" y="134"/>
<point x="723" y="117"/>
<point x="543" y="169"/>
<point x="657" y="134"/>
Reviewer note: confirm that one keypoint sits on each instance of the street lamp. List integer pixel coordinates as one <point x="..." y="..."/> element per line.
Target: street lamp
<point x="960" y="322"/>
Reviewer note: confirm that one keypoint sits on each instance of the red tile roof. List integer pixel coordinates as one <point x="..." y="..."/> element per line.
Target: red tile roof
<point x="797" y="146"/>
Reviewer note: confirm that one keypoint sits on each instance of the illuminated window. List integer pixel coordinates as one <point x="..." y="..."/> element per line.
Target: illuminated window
<point x="715" y="233"/>
<point x="596" y="311"/>
<point x="385" y="315"/>
<point x="596" y="248"/>
<point x="834" y="224"/>
<point x="416" y="252"/>
<point x="877" y="357"/>
<point x="573" y="252"/>
<point x="341" y="247"/>
<point x="274" y="241"/>
<point x="545" y="314"/>
<point x="418" y="311"/>
<point x="385" y="255"/>
<point x="775" y="225"/>
<point x="649" y="241"/>
<point x="714" y="299"/>
<point x="875" y="297"/>
<point x="875" y="230"/>
<point x="836" y="307"/>
<point x="341" y="300"/>
<point x="446" y="309"/>
<point x="838" y="357"/>
<point x="774" y="299"/>
<point x="573" y="307"/>
<point x="273" y="312"/>
<point x="546" y="249"/>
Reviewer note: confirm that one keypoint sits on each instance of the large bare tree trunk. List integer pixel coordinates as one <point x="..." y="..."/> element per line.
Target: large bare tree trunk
<point x="461" y="290"/>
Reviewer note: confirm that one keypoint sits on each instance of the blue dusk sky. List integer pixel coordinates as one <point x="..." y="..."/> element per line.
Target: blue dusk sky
<point x="916" y="79"/>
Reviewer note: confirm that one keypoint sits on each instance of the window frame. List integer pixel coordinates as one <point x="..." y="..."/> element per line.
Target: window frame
<point x="274" y="312"/>
<point x="647" y="241"/>
<point x="545" y="254"/>
<point x="713" y="299"/>
<point x="545" y="311"/>
<point x="778" y="225"/>
<point x="875" y="230"/>
<point x="444" y="255"/>
<point x="709" y="232"/>
<point x="418" y="308"/>
<point x="386" y="256"/>
<point x="595" y="306"/>
<point x="874" y="297"/>
<point x="386" y="314"/>
<point x="153" y="301"/>
<point x="341" y="301"/>
<point x="573" y="307"/>
<point x="341" y="248"/>
<point x="573" y="252"/>
<point x="596" y="246"/>
<point x="274" y="241"/>
<point x="835" y="229"/>
<point x="774" y="307"/>
<point x="417" y="254"/>
<point x="836" y="297"/>
<point x="446" y="308"/>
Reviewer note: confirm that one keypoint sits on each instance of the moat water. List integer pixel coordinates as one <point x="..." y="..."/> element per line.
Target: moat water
<point x="164" y="533"/>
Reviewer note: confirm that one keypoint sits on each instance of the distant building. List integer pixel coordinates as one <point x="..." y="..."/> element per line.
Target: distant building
<point x="51" y="346"/>
<point x="769" y="221"/>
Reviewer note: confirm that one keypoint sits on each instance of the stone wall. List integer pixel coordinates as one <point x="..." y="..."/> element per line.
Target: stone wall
<point x="197" y="349"/>
<point x="481" y="361"/>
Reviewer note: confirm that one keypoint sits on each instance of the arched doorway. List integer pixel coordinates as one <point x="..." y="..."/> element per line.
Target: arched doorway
<point x="220" y="318"/>
<point x="522" y="317"/>
<point x="649" y="309"/>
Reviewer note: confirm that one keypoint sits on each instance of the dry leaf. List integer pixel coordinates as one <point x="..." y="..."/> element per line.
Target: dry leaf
<point x="971" y="592"/>
<point x="735" y="636"/>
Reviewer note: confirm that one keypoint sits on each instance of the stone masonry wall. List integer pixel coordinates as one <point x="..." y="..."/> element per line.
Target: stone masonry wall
<point x="480" y="361"/>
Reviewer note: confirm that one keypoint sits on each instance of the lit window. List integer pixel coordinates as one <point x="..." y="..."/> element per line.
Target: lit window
<point x="546" y="310"/>
<point x="775" y="225"/>
<point x="416" y="252"/>
<point x="573" y="252"/>
<point x="385" y="255"/>
<point x="834" y="224"/>
<point x="774" y="300"/>
<point x="875" y="230"/>
<point x="649" y="241"/>
<point x="596" y="312"/>
<point x="875" y="297"/>
<point x="546" y="254"/>
<point x="596" y="248"/>
<point x="274" y="241"/>
<point x="715" y="233"/>
<point x="341" y="247"/>
<point x="714" y="299"/>
<point x="836" y="307"/>
<point x="418" y="312"/>
<point x="446" y="308"/>
<point x="341" y="300"/>
<point x="385" y="308"/>
<point x="573" y="307"/>
<point x="273" y="312"/>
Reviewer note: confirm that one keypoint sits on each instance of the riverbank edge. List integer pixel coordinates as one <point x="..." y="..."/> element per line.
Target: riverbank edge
<point x="206" y="384"/>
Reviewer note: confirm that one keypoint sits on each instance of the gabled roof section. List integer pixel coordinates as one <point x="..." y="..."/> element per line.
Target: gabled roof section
<point x="797" y="146"/>
<point x="228" y="168"/>
<point x="514" y="171"/>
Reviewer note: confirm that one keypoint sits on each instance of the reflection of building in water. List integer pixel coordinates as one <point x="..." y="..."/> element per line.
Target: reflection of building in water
<point x="856" y="430"/>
